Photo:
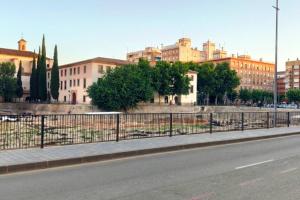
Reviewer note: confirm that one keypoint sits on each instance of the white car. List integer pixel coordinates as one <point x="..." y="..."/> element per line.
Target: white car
<point x="7" y="119"/>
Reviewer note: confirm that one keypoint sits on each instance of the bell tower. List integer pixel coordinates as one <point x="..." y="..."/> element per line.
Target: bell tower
<point x="22" y="45"/>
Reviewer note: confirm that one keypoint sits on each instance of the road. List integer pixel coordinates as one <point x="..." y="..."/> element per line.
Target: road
<point x="267" y="170"/>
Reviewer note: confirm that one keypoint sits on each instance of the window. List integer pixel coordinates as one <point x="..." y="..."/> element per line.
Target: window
<point x="61" y="85"/>
<point x="192" y="89"/>
<point x="65" y="72"/>
<point x="70" y="71"/>
<point x="78" y="82"/>
<point x="108" y="68"/>
<point x="84" y="69"/>
<point x="100" y="69"/>
<point x="74" y="82"/>
<point x="84" y="99"/>
<point x="70" y="83"/>
<point x="48" y="65"/>
<point x="84" y="83"/>
<point x="65" y="85"/>
<point x="78" y="70"/>
<point x="61" y="73"/>
<point x="65" y="99"/>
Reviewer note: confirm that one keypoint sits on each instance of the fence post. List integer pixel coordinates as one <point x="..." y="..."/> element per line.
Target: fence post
<point x="288" y="119"/>
<point x="268" y="120"/>
<point x="118" y="128"/>
<point x="210" y="123"/>
<point x="242" y="121"/>
<point x="42" y="130"/>
<point x="171" y="124"/>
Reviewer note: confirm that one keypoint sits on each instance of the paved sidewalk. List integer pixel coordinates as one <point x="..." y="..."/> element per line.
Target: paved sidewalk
<point x="30" y="159"/>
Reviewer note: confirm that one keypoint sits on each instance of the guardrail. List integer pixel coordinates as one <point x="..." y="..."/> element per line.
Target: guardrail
<point x="31" y="131"/>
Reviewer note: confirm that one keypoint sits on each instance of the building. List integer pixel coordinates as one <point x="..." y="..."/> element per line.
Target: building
<point x="292" y="74"/>
<point x="209" y="52"/>
<point x="26" y="57"/>
<point x="281" y="83"/>
<point x="76" y="77"/>
<point x="181" y="51"/>
<point x="151" y="54"/>
<point x="190" y="99"/>
<point x="253" y="74"/>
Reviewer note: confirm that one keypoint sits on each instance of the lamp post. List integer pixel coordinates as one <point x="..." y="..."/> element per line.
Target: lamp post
<point x="276" y="62"/>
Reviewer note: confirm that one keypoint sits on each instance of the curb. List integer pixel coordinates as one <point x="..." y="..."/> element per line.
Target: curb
<point x="105" y="157"/>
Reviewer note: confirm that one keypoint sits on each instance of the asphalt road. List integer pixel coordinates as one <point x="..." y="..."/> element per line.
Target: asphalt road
<point x="267" y="170"/>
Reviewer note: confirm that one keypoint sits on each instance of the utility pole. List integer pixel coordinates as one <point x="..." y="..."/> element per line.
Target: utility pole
<point x="276" y="62"/>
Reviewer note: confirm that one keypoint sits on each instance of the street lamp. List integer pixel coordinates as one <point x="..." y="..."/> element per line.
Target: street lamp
<point x="276" y="61"/>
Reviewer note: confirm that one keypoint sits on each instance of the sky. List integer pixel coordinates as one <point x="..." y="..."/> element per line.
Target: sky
<point x="85" y="29"/>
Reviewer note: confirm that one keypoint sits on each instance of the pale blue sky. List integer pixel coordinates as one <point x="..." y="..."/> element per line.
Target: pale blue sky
<point x="88" y="28"/>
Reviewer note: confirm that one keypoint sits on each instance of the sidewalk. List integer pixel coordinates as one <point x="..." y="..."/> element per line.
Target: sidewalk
<point x="31" y="159"/>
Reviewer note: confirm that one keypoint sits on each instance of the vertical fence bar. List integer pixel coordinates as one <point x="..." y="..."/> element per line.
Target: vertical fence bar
<point x="268" y="120"/>
<point x="42" y="131"/>
<point x="288" y="119"/>
<point x="171" y="124"/>
<point x="118" y="128"/>
<point x="210" y="123"/>
<point x="242" y="121"/>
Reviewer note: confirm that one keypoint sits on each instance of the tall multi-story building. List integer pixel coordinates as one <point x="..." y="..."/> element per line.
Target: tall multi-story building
<point x="26" y="57"/>
<point x="181" y="51"/>
<point x="281" y="82"/>
<point x="253" y="74"/>
<point x="292" y="74"/>
<point x="76" y="77"/>
<point x="151" y="54"/>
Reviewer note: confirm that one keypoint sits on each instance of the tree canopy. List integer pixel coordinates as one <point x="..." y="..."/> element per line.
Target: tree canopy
<point x="19" y="89"/>
<point x="54" y="85"/>
<point x="8" y="82"/>
<point x="121" y="88"/>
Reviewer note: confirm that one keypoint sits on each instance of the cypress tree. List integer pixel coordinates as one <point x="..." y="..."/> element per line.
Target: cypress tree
<point x="37" y="76"/>
<point x="55" y="77"/>
<point x="43" y="73"/>
<point x="33" y="83"/>
<point x="19" y="89"/>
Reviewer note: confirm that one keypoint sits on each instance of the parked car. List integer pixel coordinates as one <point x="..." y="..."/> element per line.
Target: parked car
<point x="8" y="119"/>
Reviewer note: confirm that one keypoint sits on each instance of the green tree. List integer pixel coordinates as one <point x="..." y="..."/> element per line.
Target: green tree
<point x="206" y="82"/>
<point x="233" y="95"/>
<point x="180" y="82"/>
<point x="8" y="82"/>
<point x="226" y="81"/>
<point x="19" y="89"/>
<point x="293" y="95"/>
<point x="121" y="89"/>
<point x="43" y="73"/>
<point x="54" y="85"/>
<point x="161" y="78"/>
<point x="37" y="75"/>
<point x="245" y="95"/>
<point x="33" y="85"/>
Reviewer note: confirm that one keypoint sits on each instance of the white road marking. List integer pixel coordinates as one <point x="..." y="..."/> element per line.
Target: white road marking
<point x="254" y="164"/>
<point x="288" y="170"/>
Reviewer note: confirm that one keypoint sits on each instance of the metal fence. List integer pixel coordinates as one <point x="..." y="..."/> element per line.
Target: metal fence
<point x="19" y="131"/>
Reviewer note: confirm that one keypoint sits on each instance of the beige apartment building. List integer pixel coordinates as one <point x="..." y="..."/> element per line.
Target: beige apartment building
<point x="75" y="78"/>
<point x="292" y="74"/>
<point x="151" y="54"/>
<point x="181" y="51"/>
<point x="253" y="74"/>
<point x="26" y="57"/>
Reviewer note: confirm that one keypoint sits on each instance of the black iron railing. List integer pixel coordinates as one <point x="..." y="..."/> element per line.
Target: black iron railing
<point x="23" y="131"/>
